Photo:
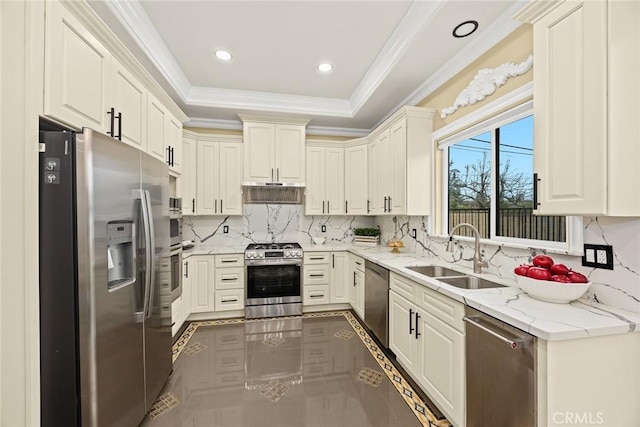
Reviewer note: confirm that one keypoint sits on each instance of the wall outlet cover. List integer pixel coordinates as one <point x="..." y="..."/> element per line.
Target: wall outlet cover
<point x="225" y="229"/>
<point x="598" y="256"/>
<point x="323" y="228"/>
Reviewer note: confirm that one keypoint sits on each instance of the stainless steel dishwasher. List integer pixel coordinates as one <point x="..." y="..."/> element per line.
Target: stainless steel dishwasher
<point x="501" y="373"/>
<point x="376" y="301"/>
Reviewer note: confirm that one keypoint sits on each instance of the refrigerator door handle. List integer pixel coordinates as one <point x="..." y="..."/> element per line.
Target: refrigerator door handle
<point x="149" y="253"/>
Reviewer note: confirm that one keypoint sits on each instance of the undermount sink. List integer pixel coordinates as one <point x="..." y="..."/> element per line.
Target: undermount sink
<point x="470" y="282"/>
<point x="435" y="271"/>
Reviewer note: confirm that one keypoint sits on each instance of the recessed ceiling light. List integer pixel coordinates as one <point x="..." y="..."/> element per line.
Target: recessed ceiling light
<point x="223" y="55"/>
<point x="465" y="29"/>
<point x="325" y="67"/>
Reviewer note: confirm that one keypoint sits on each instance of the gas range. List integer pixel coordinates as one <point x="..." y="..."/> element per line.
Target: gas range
<point x="273" y="251"/>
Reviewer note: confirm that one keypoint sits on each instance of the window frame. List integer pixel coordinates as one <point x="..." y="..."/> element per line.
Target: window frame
<point x="488" y="123"/>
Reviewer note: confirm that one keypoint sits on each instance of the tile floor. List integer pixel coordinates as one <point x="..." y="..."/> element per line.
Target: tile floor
<point x="317" y="370"/>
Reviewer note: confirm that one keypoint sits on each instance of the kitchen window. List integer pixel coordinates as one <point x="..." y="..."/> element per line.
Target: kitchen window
<point x="488" y="182"/>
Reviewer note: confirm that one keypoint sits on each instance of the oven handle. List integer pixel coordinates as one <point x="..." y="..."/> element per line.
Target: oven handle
<point x="263" y="262"/>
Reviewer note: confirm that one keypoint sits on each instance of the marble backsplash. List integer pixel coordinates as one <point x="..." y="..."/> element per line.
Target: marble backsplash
<point x="619" y="287"/>
<point x="271" y="223"/>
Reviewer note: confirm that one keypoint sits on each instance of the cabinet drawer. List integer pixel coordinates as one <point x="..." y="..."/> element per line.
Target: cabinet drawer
<point x="230" y="260"/>
<point x="316" y="275"/>
<point x="229" y="278"/>
<point x="314" y="295"/>
<point x="229" y="361"/>
<point x="402" y="286"/>
<point x="316" y="352"/>
<point x="317" y="257"/>
<point x="357" y="263"/>
<point x="441" y="307"/>
<point x="229" y="299"/>
<point x="230" y="338"/>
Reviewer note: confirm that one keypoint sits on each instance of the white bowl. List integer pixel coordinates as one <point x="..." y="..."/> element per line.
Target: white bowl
<point x="318" y="240"/>
<point x="560" y="293"/>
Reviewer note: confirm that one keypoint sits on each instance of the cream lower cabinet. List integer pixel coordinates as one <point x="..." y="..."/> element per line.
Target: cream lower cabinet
<point x="355" y="180"/>
<point x="339" y="278"/>
<point x="218" y="178"/>
<point x="587" y="106"/>
<point x="426" y="333"/>
<point x="181" y="307"/>
<point x="325" y="278"/>
<point x="201" y="269"/>
<point x="229" y="278"/>
<point x="356" y="284"/>
<point x="325" y="181"/>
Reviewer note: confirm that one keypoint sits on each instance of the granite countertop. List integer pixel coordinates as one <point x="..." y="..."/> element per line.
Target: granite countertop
<point x="548" y="321"/>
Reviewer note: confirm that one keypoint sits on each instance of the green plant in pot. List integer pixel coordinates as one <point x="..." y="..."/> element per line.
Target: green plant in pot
<point x="371" y="232"/>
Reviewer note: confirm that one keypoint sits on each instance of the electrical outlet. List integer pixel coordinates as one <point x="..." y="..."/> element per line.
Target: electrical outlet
<point x="598" y="256"/>
<point x="225" y="229"/>
<point x="323" y="228"/>
<point x="414" y="233"/>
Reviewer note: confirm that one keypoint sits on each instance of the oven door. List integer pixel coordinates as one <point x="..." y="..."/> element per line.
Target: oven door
<point x="176" y="273"/>
<point x="269" y="283"/>
<point x="175" y="229"/>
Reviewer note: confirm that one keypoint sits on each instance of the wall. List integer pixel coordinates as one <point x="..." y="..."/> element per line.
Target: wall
<point x="270" y="223"/>
<point x="619" y="287"/>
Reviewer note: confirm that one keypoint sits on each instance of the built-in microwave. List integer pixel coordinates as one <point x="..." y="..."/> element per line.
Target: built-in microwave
<point x="175" y="231"/>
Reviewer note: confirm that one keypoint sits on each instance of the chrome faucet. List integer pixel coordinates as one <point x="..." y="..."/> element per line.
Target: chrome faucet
<point x="478" y="263"/>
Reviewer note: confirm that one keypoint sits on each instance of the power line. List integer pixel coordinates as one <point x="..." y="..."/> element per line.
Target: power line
<point x="501" y="144"/>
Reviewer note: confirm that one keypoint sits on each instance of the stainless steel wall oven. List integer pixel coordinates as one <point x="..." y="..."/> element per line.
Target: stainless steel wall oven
<point x="273" y="280"/>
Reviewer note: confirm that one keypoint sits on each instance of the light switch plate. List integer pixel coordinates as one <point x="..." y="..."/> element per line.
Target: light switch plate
<point x="598" y="256"/>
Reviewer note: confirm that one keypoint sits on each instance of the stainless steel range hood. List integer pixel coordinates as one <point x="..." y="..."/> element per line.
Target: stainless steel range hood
<point x="272" y="193"/>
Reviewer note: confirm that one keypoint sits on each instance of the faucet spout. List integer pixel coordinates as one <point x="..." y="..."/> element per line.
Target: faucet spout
<point x="478" y="263"/>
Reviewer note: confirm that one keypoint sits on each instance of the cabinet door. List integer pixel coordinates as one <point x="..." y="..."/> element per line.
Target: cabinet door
<point x="174" y="141"/>
<point x="441" y="365"/>
<point x="402" y="338"/>
<point x="360" y="293"/>
<point x="187" y="287"/>
<point x="384" y="172"/>
<point x="355" y="181"/>
<point x="77" y="72"/>
<point x="129" y="98"/>
<point x="230" y="179"/>
<point x="157" y="131"/>
<point x="290" y="152"/>
<point x="208" y="159"/>
<point x="334" y="180"/>
<point x="374" y="200"/>
<point x="339" y="277"/>
<point x="188" y="177"/>
<point x="202" y="284"/>
<point x="352" y="285"/>
<point x="570" y="92"/>
<point x="398" y="168"/>
<point x="259" y="152"/>
<point x="314" y="201"/>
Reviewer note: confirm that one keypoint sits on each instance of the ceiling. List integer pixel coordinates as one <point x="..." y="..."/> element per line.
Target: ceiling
<point x="386" y="54"/>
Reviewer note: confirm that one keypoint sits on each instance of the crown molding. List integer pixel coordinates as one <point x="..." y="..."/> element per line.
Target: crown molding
<point x="497" y="31"/>
<point x="135" y="20"/>
<point x="261" y="118"/>
<point x="406" y="111"/>
<point x="486" y="82"/>
<point x="265" y="101"/>
<point x="336" y="131"/>
<point x="536" y="9"/>
<point x="213" y="124"/>
<point x="416" y="17"/>
<point x="218" y="137"/>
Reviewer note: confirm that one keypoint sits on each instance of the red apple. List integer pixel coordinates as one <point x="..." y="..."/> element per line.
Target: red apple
<point x="543" y="261"/>
<point x="576" y="277"/>
<point x="539" y="273"/>
<point x="522" y="270"/>
<point x="559" y="269"/>
<point x="560" y="278"/>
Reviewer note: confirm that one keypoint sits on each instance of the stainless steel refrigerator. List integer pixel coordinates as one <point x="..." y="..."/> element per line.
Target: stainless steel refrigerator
<point x="105" y="291"/>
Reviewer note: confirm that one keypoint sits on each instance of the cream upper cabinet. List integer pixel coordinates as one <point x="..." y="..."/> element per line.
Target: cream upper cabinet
<point x="157" y="131"/>
<point x="400" y="164"/>
<point x="188" y="178"/>
<point x="174" y="144"/>
<point x="587" y="106"/>
<point x="129" y="102"/>
<point x="325" y="181"/>
<point x="274" y="152"/>
<point x="219" y="175"/>
<point x="374" y="201"/>
<point x="77" y="72"/>
<point x="355" y="180"/>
